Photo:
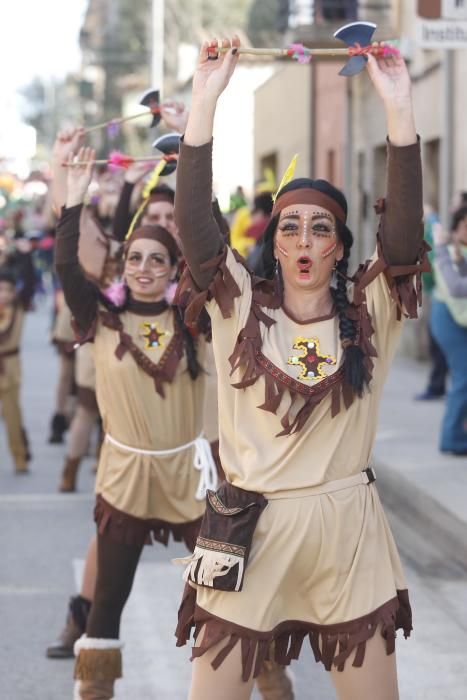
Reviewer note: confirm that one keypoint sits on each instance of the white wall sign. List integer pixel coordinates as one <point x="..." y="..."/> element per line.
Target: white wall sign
<point x="442" y="34"/>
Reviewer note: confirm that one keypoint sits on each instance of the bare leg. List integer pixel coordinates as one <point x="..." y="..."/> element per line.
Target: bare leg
<point x="88" y="584"/>
<point x="226" y="682"/>
<point x="375" y="680"/>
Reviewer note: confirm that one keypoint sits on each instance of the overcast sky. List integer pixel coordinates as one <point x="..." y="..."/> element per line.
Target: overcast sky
<point x="38" y="37"/>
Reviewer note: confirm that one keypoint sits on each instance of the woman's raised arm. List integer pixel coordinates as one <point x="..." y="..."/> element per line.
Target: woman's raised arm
<point x="401" y="232"/>
<point x="80" y="294"/>
<point x="198" y="230"/>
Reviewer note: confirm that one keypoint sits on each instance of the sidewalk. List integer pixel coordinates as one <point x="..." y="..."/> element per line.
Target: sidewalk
<point x="427" y="489"/>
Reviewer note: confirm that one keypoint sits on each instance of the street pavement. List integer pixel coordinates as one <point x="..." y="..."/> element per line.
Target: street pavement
<point x="44" y="535"/>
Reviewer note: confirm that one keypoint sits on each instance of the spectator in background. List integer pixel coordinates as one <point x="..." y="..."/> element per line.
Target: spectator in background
<point x="260" y="217"/>
<point x="449" y="327"/>
<point x="16" y="292"/>
<point x="237" y="199"/>
<point x="436" y="387"/>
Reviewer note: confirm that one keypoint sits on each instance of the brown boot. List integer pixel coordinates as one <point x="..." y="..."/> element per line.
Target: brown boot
<point x="273" y="682"/>
<point x="96" y="690"/>
<point x="78" y="611"/>
<point x="70" y="470"/>
<point x="98" y="661"/>
<point x="21" y="465"/>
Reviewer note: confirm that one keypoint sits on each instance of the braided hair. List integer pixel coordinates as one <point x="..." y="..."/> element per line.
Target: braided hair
<point x="194" y="368"/>
<point x="355" y="372"/>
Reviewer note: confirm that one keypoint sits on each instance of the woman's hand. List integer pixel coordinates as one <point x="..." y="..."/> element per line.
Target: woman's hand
<point x="137" y="171"/>
<point x="213" y="73"/>
<point x="67" y="141"/>
<point x="174" y="115"/>
<point x="391" y="79"/>
<point x="211" y="77"/>
<point x="392" y="82"/>
<point x="79" y="176"/>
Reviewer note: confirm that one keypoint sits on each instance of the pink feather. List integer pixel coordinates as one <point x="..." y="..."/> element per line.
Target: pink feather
<point x="170" y="292"/>
<point x="119" y="160"/>
<point x="390" y="50"/>
<point x="299" y="53"/>
<point x="116" y="292"/>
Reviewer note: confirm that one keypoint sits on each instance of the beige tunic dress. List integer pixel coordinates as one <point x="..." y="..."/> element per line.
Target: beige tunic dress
<point x="321" y="565"/>
<point x="136" y="417"/>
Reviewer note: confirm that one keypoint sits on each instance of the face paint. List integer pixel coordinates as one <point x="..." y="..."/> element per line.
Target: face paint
<point x="282" y="250"/>
<point x="156" y="263"/>
<point x="304" y="237"/>
<point x="330" y="249"/>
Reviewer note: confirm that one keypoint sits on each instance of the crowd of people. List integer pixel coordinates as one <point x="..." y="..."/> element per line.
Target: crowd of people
<point x="272" y="493"/>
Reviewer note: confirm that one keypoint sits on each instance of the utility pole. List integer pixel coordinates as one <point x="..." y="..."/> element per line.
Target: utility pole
<point x="447" y="142"/>
<point x="157" y="66"/>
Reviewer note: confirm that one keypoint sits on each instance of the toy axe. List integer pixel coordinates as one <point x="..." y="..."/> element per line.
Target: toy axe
<point x="169" y="145"/>
<point x="149" y="99"/>
<point x="356" y="35"/>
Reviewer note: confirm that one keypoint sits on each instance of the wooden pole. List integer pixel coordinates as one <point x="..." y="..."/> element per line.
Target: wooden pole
<point x="119" y="120"/>
<point x="108" y="161"/>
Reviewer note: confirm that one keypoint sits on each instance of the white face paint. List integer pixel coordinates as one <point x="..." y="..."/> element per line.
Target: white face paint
<point x="329" y="250"/>
<point x="156" y="263"/>
<point x="304" y="237"/>
<point x="282" y="250"/>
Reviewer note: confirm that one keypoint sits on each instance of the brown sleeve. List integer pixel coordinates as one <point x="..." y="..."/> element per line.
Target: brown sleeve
<point x="80" y="295"/>
<point x="122" y="219"/>
<point x="198" y="229"/>
<point x="401" y="228"/>
<point x="222" y="222"/>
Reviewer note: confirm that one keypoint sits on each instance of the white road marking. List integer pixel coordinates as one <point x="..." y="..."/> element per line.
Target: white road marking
<point x="49" y="498"/>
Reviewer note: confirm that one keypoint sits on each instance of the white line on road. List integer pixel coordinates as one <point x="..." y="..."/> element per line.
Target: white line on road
<point x="62" y="499"/>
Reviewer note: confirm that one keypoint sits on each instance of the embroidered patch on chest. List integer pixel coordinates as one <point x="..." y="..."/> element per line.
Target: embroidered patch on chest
<point x="152" y="335"/>
<point x="310" y="360"/>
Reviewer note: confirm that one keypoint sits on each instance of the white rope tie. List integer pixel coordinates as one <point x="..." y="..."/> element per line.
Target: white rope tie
<point x="203" y="460"/>
<point x="205" y="464"/>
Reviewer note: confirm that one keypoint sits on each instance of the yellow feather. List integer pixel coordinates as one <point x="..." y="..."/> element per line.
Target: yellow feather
<point x="288" y="175"/>
<point x="154" y="178"/>
<point x="150" y="184"/>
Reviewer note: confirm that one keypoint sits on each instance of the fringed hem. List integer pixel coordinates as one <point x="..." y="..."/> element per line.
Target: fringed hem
<point x="98" y="665"/>
<point x="128" y="529"/>
<point x="331" y="644"/>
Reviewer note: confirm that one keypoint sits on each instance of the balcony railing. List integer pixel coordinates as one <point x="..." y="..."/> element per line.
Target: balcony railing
<point x="317" y="19"/>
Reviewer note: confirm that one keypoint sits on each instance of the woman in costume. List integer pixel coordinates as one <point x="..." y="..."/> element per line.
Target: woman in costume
<point x="150" y="391"/>
<point x="449" y="327"/>
<point x="295" y="545"/>
<point x="17" y="286"/>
